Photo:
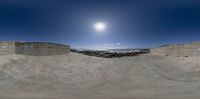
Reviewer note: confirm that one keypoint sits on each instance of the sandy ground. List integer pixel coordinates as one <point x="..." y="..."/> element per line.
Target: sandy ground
<point x="76" y="76"/>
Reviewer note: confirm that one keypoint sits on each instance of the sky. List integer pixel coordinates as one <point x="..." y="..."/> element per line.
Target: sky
<point x="129" y="23"/>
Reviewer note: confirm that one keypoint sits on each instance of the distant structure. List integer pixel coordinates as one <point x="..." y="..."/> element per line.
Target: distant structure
<point x="182" y="50"/>
<point x="33" y="48"/>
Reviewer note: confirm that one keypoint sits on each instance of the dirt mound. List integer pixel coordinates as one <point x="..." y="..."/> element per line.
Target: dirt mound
<point x="179" y="50"/>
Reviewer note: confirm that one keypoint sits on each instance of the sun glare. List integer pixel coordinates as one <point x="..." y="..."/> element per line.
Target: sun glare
<point x="100" y="27"/>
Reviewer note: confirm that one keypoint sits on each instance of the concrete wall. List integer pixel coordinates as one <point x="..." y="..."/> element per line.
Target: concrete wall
<point x="7" y="48"/>
<point x="33" y="48"/>
<point x="182" y="50"/>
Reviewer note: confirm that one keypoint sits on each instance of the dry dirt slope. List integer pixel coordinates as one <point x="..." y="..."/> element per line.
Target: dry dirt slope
<point x="191" y="50"/>
<point x="76" y="76"/>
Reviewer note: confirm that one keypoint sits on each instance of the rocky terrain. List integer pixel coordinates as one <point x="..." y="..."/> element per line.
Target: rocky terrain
<point x="112" y="53"/>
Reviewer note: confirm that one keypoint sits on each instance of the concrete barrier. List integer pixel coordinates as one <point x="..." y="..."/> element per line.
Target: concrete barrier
<point x="33" y="48"/>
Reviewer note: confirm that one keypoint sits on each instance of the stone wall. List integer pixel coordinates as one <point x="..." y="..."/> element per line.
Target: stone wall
<point x="33" y="48"/>
<point x="182" y="50"/>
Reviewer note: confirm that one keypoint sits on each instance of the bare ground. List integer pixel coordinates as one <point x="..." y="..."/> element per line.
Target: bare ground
<point x="76" y="76"/>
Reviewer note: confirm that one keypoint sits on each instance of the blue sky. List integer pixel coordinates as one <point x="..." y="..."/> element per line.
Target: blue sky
<point x="130" y="23"/>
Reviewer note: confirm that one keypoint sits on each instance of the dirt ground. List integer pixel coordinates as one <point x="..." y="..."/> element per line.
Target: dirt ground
<point x="76" y="76"/>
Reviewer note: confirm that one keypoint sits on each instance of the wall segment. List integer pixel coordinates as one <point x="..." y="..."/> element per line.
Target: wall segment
<point x="33" y="48"/>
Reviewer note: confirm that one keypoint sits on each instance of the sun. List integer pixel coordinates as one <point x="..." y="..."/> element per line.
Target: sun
<point x="100" y="27"/>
